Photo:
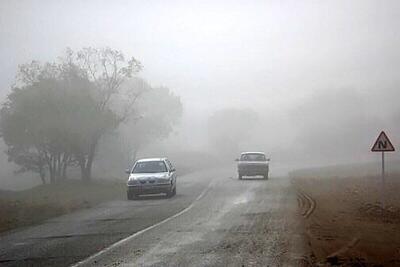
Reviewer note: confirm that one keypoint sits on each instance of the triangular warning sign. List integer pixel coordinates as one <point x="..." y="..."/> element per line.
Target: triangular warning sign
<point x="382" y="143"/>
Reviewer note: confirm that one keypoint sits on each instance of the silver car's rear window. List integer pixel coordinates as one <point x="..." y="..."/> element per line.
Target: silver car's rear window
<point x="252" y="157"/>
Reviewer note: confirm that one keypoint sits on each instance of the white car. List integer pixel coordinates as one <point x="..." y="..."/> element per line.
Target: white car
<point x="151" y="176"/>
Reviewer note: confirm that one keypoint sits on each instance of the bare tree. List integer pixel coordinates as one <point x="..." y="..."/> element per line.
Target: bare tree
<point x="107" y="69"/>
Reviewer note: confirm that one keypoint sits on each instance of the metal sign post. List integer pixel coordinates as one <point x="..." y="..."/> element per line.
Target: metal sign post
<point x="383" y="181"/>
<point x="383" y="144"/>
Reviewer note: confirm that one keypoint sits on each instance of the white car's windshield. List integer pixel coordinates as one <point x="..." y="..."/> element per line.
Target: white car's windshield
<point x="149" y="167"/>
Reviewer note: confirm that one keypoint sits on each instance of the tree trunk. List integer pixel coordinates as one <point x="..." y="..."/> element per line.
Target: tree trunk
<point x="86" y="161"/>
<point x="49" y="161"/>
<point x="54" y="168"/>
<point x="57" y="167"/>
<point x="87" y="175"/>
<point x="52" y="174"/>
<point x="82" y="165"/>
<point x="63" y="166"/>
<point x="42" y="172"/>
<point x="64" y="171"/>
<point x="42" y="177"/>
<point x="85" y="171"/>
<point x="88" y="167"/>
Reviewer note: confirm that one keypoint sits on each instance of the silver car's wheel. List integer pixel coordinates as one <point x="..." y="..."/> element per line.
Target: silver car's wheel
<point x="174" y="191"/>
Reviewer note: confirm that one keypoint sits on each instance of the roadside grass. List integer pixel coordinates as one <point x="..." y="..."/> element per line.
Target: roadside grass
<point x="27" y="207"/>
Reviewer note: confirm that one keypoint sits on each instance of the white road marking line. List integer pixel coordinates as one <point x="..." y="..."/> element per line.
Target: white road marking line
<point x="127" y="239"/>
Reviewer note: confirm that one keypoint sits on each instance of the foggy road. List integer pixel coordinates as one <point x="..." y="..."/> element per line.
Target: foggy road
<point x="214" y="220"/>
<point x="214" y="90"/>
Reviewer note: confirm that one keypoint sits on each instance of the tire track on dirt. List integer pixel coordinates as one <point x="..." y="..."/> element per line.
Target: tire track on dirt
<point x="306" y="203"/>
<point x="312" y="204"/>
<point x="307" y="206"/>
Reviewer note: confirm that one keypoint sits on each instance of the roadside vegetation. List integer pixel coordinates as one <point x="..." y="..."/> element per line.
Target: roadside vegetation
<point x="59" y="113"/>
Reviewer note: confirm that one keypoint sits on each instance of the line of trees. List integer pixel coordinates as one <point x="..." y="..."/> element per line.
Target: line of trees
<point x="57" y="112"/>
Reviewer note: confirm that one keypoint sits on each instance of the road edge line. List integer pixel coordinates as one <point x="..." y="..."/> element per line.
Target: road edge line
<point x="128" y="238"/>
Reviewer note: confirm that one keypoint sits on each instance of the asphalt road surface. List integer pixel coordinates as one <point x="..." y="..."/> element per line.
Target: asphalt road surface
<point x="214" y="220"/>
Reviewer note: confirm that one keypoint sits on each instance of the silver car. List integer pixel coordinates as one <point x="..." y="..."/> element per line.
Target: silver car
<point x="151" y="176"/>
<point x="253" y="164"/>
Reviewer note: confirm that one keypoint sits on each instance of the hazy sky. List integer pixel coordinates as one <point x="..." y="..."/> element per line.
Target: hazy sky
<point x="218" y="53"/>
<point x="322" y="69"/>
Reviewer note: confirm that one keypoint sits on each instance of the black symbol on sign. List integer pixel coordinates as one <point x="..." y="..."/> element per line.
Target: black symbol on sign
<point x="382" y="144"/>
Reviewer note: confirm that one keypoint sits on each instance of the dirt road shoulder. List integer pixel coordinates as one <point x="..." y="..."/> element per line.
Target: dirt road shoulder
<point x="345" y="223"/>
<point x="23" y="208"/>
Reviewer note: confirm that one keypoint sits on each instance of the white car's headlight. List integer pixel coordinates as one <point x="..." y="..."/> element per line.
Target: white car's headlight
<point x="166" y="177"/>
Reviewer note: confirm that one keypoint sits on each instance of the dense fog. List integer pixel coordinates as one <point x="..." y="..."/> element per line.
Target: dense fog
<point x="310" y="83"/>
